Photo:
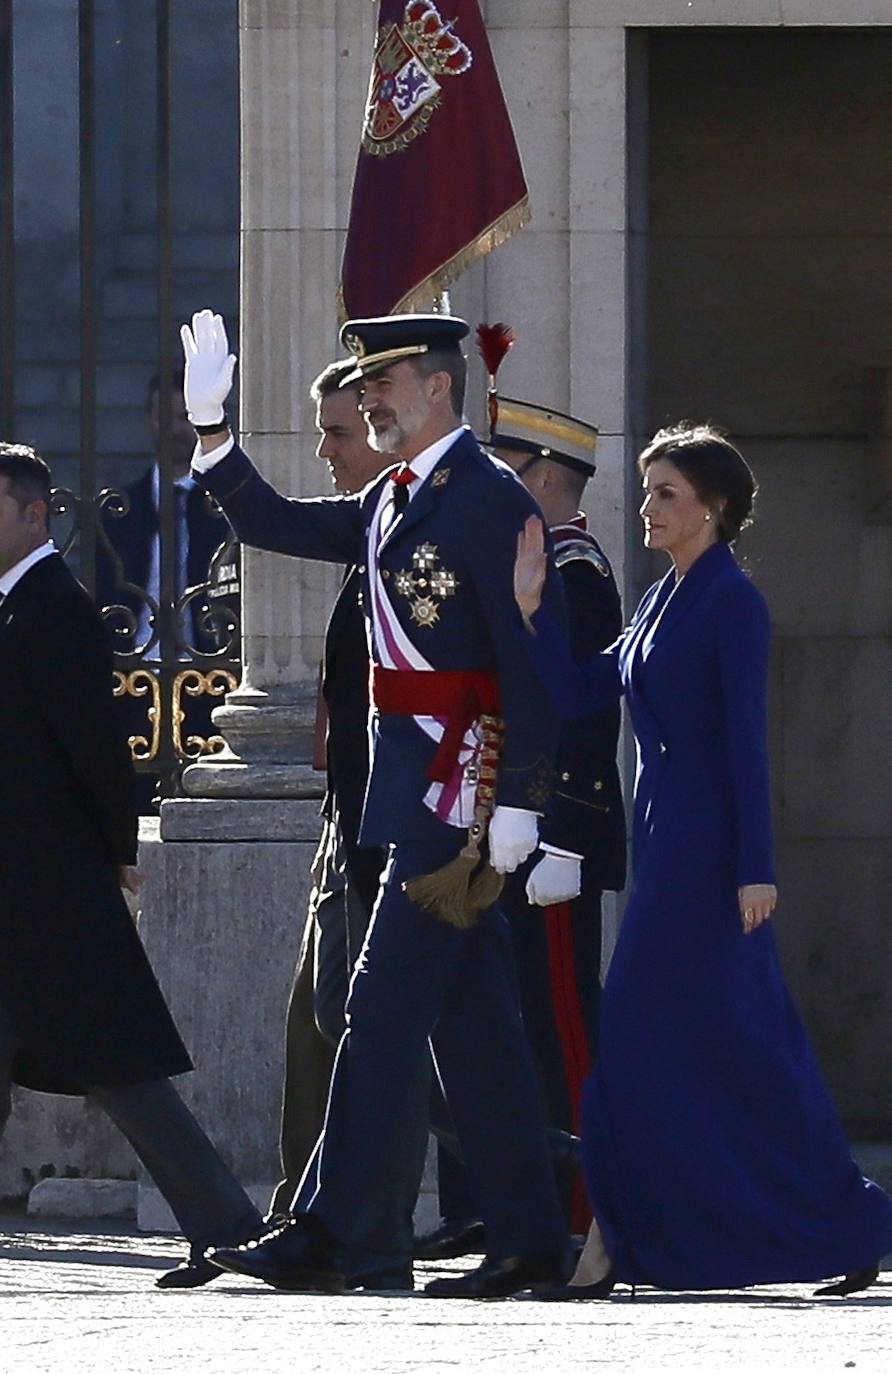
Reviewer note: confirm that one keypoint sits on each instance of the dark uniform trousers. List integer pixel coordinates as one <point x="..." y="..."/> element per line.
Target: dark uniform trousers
<point x="419" y="979"/>
<point x="209" y="1204"/>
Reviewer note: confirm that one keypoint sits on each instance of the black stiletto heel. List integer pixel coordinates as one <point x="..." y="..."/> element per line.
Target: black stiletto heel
<point x="852" y="1283"/>
<point x="578" y="1292"/>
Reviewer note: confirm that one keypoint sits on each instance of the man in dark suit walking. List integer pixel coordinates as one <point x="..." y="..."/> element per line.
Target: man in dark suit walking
<point x="80" y="1010"/>
<point x="453" y="693"/>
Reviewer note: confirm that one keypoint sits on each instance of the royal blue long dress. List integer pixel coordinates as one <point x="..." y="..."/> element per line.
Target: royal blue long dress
<point x="713" y="1154"/>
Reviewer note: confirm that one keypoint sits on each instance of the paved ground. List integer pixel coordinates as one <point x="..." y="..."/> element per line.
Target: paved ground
<point x="82" y="1301"/>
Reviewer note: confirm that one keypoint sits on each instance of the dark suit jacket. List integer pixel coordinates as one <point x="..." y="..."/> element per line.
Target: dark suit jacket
<point x="75" y="983"/>
<point x="470" y="511"/>
<point x="345" y="687"/>
<point x="586" y="814"/>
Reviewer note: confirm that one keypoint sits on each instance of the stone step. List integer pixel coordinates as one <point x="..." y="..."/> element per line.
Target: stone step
<point x="83" y="1197"/>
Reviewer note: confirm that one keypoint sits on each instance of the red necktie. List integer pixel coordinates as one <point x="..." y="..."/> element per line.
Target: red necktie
<point x="402" y="479"/>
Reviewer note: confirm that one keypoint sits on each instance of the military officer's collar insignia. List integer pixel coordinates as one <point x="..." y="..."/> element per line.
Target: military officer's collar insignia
<point x="425" y="585"/>
<point x="441" y="477"/>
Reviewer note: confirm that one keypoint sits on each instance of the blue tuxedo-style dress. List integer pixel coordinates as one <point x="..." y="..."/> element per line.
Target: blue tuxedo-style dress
<point x="714" y="1156"/>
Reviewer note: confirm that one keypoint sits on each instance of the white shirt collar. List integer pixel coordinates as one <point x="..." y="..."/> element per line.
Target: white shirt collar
<point x="18" y="570"/>
<point x="425" y="462"/>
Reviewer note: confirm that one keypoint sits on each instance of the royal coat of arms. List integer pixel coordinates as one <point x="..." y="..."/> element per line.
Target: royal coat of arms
<point x="410" y="61"/>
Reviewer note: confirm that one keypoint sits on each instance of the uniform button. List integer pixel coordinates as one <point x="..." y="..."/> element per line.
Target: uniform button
<point x="599" y="786"/>
<point x="662" y="747"/>
<point x="565" y="777"/>
<point x="361" y="569"/>
<point x="385" y="574"/>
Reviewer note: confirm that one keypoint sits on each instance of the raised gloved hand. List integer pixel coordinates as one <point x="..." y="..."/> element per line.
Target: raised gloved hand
<point x="556" y="878"/>
<point x="513" y="835"/>
<point x="209" y="367"/>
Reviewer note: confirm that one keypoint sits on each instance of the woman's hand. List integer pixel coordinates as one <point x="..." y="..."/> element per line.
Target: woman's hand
<point x="530" y="566"/>
<point x="757" y="901"/>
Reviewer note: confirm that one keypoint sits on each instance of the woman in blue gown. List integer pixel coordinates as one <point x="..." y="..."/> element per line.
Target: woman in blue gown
<point x="713" y="1155"/>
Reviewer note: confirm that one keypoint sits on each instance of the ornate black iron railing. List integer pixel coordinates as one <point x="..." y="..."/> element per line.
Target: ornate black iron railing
<point x="176" y="645"/>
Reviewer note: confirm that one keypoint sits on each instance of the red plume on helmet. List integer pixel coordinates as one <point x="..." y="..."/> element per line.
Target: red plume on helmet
<point x="493" y="342"/>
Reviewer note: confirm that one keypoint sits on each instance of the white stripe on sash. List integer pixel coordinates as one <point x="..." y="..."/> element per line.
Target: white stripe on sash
<point x="452" y="801"/>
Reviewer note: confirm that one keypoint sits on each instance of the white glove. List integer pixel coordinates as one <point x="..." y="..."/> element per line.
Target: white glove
<point x="513" y="834"/>
<point x="209" y="367"/>
<point x="556" y="878"/>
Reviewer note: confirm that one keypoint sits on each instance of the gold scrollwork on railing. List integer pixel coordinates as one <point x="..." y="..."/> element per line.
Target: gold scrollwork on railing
<point x="194" y="683"/>
<point x="141" y="683"/>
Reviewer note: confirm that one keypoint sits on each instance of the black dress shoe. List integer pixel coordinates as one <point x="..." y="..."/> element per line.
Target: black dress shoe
<point x="450" y="1240"/>
<point x="298" y="1257"/>
<point x="501" y="1278"/>
<point x="192" y="1273"/>
<point x="399" y="1279"/>
<point x="852" y="1283"/>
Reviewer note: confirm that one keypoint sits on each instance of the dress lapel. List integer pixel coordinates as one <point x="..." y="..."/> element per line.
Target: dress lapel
<point x="423" y="502"/>
<point x="670" y="610"/>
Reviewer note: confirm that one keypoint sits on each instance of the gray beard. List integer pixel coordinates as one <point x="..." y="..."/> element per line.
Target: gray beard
<point x="386" y="440"/>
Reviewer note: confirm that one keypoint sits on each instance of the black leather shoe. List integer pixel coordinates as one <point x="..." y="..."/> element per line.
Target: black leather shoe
<point x="451" y="1239"/>
<point x="298" y="1257"/>
<point x="501" y="1278"/>
<point x="399" y="1279"/>
<point x="852" y="1283"/>
<point x="192" y="1273"/>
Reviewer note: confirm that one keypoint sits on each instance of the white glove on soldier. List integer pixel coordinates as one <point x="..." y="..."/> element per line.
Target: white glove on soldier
<point x="513" y="835"/>
<point x="556" y="878"/>
<point x="209" y="367"/>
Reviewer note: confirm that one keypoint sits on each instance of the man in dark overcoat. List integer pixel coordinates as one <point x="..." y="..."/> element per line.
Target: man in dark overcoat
<point x="553" y="903"/>
<point x="80" y="1010"/>
<point x="435" y="541"/>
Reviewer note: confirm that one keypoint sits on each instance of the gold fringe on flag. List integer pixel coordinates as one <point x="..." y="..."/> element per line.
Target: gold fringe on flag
<point x="492" y="237"/>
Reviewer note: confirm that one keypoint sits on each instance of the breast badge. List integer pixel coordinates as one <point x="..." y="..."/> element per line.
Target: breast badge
<point x="425" y="585"/>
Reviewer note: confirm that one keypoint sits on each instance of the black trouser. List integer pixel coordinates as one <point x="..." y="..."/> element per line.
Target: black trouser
<point x="210" y="1205"/>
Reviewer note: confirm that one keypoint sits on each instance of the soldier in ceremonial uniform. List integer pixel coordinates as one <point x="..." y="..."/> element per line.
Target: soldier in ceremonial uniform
<point x="553" y="902"/>
<point x="583" y="839"/>
<point x="462" y="729"/>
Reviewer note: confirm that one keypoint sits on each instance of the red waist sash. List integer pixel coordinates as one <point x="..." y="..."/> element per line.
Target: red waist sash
<point x="462" y="697"/>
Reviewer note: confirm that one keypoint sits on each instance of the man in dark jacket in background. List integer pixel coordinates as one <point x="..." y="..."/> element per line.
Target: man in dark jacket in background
<point x="346" y="877"/>
<point x="80" y="1010"/>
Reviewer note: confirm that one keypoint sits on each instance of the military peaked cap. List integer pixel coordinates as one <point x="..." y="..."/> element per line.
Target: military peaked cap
<point x="388" y="339"/>
<point x="536" y="429"/>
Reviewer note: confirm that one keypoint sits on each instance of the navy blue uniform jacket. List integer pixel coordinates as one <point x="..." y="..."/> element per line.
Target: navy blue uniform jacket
<point x="471" y="510"/>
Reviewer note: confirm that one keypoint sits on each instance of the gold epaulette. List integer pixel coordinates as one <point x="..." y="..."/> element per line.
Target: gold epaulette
<point x="581" y="550"/>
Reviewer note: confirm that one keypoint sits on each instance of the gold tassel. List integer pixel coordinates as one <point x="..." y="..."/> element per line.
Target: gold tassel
<point x="456" y="893"/>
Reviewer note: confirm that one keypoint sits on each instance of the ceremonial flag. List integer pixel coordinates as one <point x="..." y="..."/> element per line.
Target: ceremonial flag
<point x="439" y="181"/>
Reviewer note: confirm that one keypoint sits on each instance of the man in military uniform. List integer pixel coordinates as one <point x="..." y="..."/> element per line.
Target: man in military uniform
<point x="435" y="542"/>
<point x="346" y="877"/>
<point x="554" y="904"/>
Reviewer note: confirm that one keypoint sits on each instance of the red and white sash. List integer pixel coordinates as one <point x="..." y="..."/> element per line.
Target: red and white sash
<point x="452" y="801"/>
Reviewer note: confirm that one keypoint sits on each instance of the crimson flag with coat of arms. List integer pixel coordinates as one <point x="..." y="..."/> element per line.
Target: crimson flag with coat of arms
<point x="439" y="180"/>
